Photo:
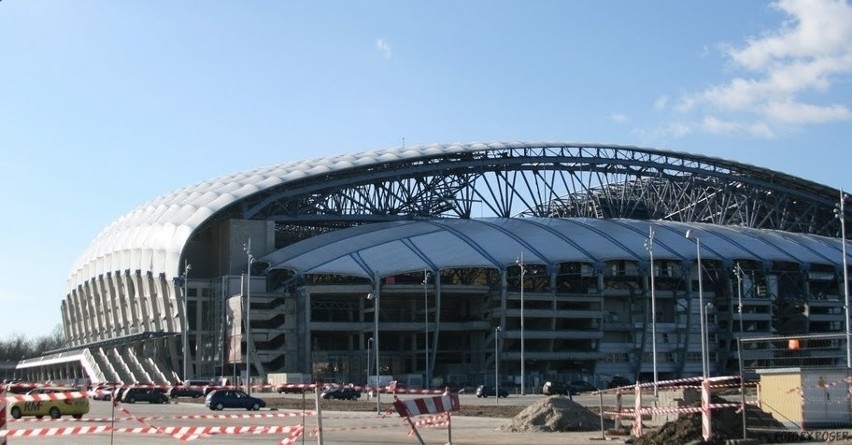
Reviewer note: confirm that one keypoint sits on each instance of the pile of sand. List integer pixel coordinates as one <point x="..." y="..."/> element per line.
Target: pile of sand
<point x="552" y="414"/>
<point x="727" y="425"/>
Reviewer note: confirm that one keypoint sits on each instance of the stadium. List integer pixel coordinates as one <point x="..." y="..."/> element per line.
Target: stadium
<point x="439" y="264"/>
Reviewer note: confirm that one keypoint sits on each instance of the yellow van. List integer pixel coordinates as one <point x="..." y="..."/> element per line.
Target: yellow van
<point x="54" y="408"/>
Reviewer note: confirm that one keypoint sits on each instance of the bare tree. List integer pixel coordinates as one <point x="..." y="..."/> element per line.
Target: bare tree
<point x="19" y="347"/>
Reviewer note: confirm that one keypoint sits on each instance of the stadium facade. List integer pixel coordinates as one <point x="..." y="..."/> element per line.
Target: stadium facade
<point x="565" y="247"/>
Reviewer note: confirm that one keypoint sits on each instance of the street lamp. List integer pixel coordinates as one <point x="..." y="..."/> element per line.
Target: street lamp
<point x="649" y="245"/>
<point x="738" y="271"/>
<point x="496" y="366"/>
<point x="840" y="213"/>
<point x="708" y="310"/>
<point x="185" y="336"/>
<point x="369" y="349"/>
<point x="692" y="235"/>
<point x="249" y="260"/>
<point x="375" y="339"/>
<point x="520" y="262"/>
<point x="426" y="276"/>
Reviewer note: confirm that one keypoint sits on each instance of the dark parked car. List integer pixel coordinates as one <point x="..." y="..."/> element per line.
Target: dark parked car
<point x="341" y="393"/>
<point x="578" y="386"/>
<point x="230" y="398"/>
<point x="486" y="390"/>
<point x="190" y="388"/>
<point x="555" y="389"/>
<point x="619" y="381"/>
<point x="150" y="395"/>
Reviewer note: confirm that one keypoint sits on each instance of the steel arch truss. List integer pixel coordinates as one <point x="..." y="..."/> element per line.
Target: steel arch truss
<point x="551" y="181"/>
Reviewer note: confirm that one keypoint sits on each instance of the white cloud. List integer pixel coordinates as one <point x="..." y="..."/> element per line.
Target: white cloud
<point x="679" y="129"/>
<point x="661" y="103"/>
<point x="816" y="29"/>
<point x="714" y="125"/>
<point x="383" y="48"/>
<point x="620" y="118"/>
<point x="804" y="113"/>
<point x="804" y="56"/>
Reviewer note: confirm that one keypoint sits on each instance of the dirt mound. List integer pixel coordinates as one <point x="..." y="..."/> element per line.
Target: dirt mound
<point x="551" y="414"/>
<point x="726" y="422"/>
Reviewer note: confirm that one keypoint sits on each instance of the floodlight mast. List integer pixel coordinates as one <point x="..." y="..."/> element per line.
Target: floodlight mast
<point x="840" y="213"/>
<point x="375" y="296"/>
<point x="426" y="276"/>
<point x="185" y="337"/>
<point x="250" y="261"/>
<point x="692" y="235"/>
<point x="649" y="245"/>
<point x="738" y="271"/>
<point x="520" y="262"/>
<point x="496" y="366"/>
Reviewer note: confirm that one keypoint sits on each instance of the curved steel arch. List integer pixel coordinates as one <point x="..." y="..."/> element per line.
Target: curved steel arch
<point x="552" y="179"/>
<point x="313" y="196"/>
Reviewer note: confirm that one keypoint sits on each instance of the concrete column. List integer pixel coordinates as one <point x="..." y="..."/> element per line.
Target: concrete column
<point x="74" y="307"/>
<point x="138" y="297"/>
<point x="83" y="314"/>
<point x="106" y="306"/>
<point x="118" y="313"/>
<point x="150" y="289"/>
<point x="127" y="303"/>
<point x="95" y="308"/>
<point x="171" y="304"/>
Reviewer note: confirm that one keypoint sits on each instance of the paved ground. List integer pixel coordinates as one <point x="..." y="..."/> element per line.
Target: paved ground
<point x="355" y="423"/>
<point x="342" y="423"/>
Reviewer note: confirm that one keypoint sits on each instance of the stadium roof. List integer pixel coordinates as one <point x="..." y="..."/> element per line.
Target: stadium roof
<point x="383" y="249"/>
<point x="152" y="237"/>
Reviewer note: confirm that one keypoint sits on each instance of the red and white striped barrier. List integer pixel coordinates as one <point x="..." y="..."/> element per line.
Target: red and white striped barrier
<point x="686" y="382"/>
<point x="705" y="409"/>
<point x="315" y="431"/>
<point x="179" y="435"/>
<point x="49" y="396"/>
<point x="3" y="415"/>
<point x="681" y="410"/>
<point x="187" y="433"/>
<point x="110" y="388"/>
<point x="58" y="431"/>
<point x="428" y="405"/>
<point x="178" y="417"/>
<point x="434" y="421"/>
<point x="181" y="432"/>
<point x="293" y="435"/>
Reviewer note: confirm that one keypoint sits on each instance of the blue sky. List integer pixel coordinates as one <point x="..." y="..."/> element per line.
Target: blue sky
<point x="106" y="105"/>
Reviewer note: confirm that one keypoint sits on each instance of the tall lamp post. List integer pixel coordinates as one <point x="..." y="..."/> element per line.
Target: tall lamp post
<point x="649" y="245"/>
<point x="186" y="376"/>
<point x="496" y="365"/>
<point x="249" y="260"/>
<point x="369" y="349"/>
<point x="692" y="235"/>
<point x="520" y="262"/>
<point x="840" y="213"/>
<point x="370" y="296"/>
<point x="426" y="276"/>
<point x="739" y="273"/>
